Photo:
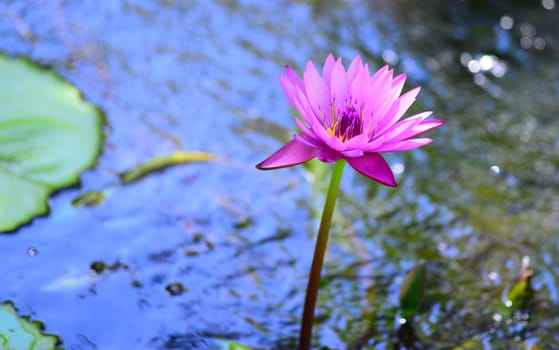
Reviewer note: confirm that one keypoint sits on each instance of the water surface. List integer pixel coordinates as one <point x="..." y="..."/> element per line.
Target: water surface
<point x="220" y="250"/>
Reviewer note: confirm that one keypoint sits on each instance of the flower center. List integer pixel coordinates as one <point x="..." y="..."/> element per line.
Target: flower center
<point x="349" y="123"/>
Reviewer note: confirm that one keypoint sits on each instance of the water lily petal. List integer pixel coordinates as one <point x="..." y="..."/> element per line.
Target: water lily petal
<point x="316" y="90"/>
<point x="380" y="86"/>
<point x="305" y="127"/>
<point x="405" y="101"/>
<point x="335" y="143"/>
<point x="403" y="145"/>
<point x="419" y="129"/>
<point x="427" y="125"/>
<point x="353" y="153"/>
<point x="359" y="85"/>
<point x="357" y="142"/>
<point x="381" y="81"/>
<point x="378" y="118"/>
<point x="398" y="85"/>
<point x="289" y="89"/>
<point x="310" y="141"/>
<point x="338" y="85"/>
<point x="293" y="77"/>
<point x="404" y="129"/>
<point x="354" y="68"/>
<point x="372" y="146"/>
<point x="329" y="156"/>
<point x="292" y="153"/>
<point x="297" y="98"/>
<point x="375" y="167"/>
<point x="327" y="69"/>
<point x="310" y="137"/>
<point x="380" y="73"/>
<point x="302" y="105"/>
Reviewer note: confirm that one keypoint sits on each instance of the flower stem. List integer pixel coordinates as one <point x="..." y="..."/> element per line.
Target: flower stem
<point x="318" y="258"/>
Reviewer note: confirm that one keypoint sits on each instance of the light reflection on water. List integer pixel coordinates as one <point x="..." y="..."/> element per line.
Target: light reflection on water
<point x="205" y="76"/>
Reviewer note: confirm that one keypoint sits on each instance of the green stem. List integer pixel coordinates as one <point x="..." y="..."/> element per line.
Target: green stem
<point x="318" y="258"/>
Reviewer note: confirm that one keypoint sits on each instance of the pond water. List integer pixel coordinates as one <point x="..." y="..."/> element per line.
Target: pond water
<point x="221" y="250"/>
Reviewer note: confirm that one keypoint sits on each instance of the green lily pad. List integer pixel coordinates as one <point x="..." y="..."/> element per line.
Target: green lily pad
<point x="48" y="136"/>
<point x="20" y="333"/>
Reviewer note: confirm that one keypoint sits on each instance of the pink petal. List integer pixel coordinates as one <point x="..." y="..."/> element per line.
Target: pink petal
<point x="375" y="167"/>
<point x="403" y="128"/>
<point x="357" y="142"/>
<point x="310" y="141"/>
<point x="378" y="118"/>
<point x="293" y="77"/>
<point x="379" y="86"/>
<point x="382" y="108"/>
<point x="316" y="90"/>
<point x="398" y="85"/>
<point x="334" y="142"/>
<point x="327" y="69"/>
<point x="289" y="89"/>
<point x="354" y="68"/>
<point x="329" y="156"/>
<point x="372" y="146"/>
<point x="304" y="126"/>
<point x="381" y="82"/>
<point x="403" y="145"/>
<point x="359" y="84"/>
<point x="311" y="138"/>
<point x="297" y="98"/>
<point x="405" y="101"/>
<point x="318" y="129"/>
<point x="379" y="73"/>
<point x="292" y="153"/>
<point x="352" y="153"/>
<point x="302" y="105"/>
<point x="338" y="85"/>
<point x="419" y="129"/>
<point x="427" y="125"/>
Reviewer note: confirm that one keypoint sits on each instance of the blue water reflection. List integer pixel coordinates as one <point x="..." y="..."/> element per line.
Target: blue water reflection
<point x="203" y="75"/>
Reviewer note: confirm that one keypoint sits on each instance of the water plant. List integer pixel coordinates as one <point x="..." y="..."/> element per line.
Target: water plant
<point x="346" y="116"/>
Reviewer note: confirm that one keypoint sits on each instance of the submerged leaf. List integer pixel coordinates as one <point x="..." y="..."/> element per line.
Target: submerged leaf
<point x="521" y="291"/>
<point x="470" y="344"/>
<point x="89" y="199"/>
<point x="411" y="292"/>
<point x="160" y="163"/>
<point x="224" y="344"/>
<point x="48" y="136"/>
<point x="19" y="333"/>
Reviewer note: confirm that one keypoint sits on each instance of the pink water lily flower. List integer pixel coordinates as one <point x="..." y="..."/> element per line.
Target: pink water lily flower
<point x="352" y="115"/>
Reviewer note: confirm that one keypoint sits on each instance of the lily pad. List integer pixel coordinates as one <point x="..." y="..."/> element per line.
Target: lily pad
<point x="20" y="333"/>
<point x="48" y="136"/>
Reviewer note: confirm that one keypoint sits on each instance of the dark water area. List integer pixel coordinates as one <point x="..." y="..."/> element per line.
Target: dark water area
<point x="221" y="250"/>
